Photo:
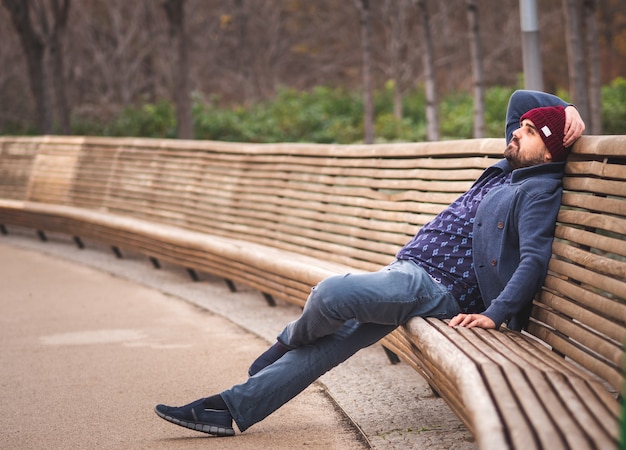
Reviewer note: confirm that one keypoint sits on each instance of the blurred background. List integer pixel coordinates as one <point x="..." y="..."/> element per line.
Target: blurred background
<point x="300" y="70"/>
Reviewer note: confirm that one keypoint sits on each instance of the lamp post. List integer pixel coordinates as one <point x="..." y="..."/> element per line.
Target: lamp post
<point x="531" y="50"/>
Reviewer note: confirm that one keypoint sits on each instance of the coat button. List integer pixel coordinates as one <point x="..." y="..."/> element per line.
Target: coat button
<point x="494" y="262"/>
<point x="500" y="225"/>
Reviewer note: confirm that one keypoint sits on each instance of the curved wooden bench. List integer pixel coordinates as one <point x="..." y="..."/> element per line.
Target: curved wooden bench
<point x="282" y="217"/>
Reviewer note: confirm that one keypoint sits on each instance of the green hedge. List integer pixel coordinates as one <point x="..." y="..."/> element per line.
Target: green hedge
<point x="614" y="107"/>
<point x="329" y="115"/>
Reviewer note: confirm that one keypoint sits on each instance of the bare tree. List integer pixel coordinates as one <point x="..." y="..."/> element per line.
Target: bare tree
<point x="175" y="11"/>
<point x="368" y="91"/>
<point x="259" y="40"/>
<point x="41" y="29"/>
<point x="477" y="68"/>
<point x="595" y="82"/>
<point x="34" y="50"/>
<point x="242" y="19"/>
<point x="576" y="57"/>
<point x="613" y="27"/>
<point x="116" y="53"/>
<point x="117" y="49"/>
<point x="432" y="114"/>
<point x="395" y="12"/>
<point x="60" y="11"/>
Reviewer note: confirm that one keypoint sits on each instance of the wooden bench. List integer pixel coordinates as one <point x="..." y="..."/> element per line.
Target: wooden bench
<point x="282" y="217"/>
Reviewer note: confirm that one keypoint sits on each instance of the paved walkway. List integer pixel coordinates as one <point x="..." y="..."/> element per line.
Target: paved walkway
<point x="91" y="343"/>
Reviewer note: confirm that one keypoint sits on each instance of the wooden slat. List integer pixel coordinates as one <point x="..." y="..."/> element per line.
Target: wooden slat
<point x="592" y="202"/>
<point x="600" y="146"/>
<point x="538" y="399"/>
<point x="585" y="306"/>
<point x="595" y="277"/>
<point x="602" y="169"/>
<point x="597" y="221"/>
<point x="577" y="402"/>
<point x="605" y="413"/>
<point x="531" y="353"/>
<point x="566" y="431"/>
<point x="516" y="399"/>
<point x="596" y="186"/>
<point x="607" y="244"/>
<point x="577" y="354"/>
<point x="461" y="370"/>
<point x="584" y="336"/>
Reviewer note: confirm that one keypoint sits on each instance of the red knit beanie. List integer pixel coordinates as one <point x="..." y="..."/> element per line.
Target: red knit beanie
<point x="550" y="121"/>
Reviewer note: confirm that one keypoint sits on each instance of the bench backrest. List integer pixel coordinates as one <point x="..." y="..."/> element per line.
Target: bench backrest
<point x="581" y="311"/>
<point x="352" y="205"/>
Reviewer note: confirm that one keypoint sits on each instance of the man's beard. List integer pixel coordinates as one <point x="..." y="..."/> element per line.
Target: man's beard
<point x="512" y="154"/>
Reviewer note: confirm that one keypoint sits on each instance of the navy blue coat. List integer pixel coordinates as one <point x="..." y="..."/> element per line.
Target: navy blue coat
<point x="512" y="240"/>
<point x="514" y="226"/>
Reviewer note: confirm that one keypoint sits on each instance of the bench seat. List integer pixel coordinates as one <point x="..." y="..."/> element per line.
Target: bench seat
<point x="283" y="274"/>
<point x="510" y="389"/>
<point x="282" y="217"/>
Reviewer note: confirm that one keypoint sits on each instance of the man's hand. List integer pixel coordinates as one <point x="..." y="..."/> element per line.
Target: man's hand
<point x="471" y="321"/>
<point x="574" y="126"/>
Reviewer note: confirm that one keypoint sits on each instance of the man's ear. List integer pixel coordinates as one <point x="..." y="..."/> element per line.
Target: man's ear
<point x="547" y="156"/>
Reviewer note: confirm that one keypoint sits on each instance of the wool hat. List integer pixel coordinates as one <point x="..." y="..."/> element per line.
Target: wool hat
<point x="550" y="121"/>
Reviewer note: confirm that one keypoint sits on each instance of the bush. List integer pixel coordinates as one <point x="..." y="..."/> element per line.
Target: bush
<point x="496" y="102"/>
<point x="456" y="117"/>
<point x="214" y="123"/>
<point x="326" y="115"/>
<point x="150" y="120"/>
<point x="388" y="128"/>
<point x="614" y="107"/>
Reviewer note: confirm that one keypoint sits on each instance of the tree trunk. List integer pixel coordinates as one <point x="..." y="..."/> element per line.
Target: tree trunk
<point x="595" y="81"/>
<point x="175" y="10"/>
<point x="34" y="49"/>
<point x="244" y="59"/>
<point x="395" y="10"/>
<point x="576" y="58"/>
<point x="368" y="94"/>
<point x="396" y="58"/>
<point x="432" y="114"/>
<point x="60" y="14"/>
<point x="477" y="69"/>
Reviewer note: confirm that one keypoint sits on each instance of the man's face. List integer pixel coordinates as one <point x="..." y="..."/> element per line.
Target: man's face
<point x="526" y="148"/>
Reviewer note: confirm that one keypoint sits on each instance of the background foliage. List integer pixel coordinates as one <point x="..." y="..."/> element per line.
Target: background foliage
<point x="285" y="70"/>
<point x="329" y="115"/>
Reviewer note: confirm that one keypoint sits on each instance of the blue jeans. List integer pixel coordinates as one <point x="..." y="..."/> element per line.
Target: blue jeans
<point x="342" y="315"/>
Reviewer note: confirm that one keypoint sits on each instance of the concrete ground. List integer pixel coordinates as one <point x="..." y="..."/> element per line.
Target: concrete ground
<point x="90" y="343"/>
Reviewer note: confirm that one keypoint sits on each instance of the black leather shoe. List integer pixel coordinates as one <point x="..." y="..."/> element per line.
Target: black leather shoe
<point x="196" y="417"/>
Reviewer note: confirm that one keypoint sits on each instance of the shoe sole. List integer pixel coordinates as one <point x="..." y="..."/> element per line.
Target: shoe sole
<point x="202" y="427"/>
